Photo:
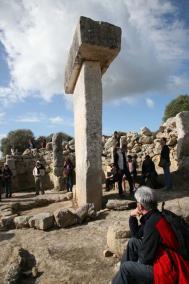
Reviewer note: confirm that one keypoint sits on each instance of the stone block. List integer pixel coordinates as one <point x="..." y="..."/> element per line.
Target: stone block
<point x="93" y="41"/>
<point x="82" y="213"/>
<point x="42" y="221"/>
<point x="22" y="222"/>
<point x="117" y="204"/>
<point x="117" y="238"/>
<point x="65" y="218"/>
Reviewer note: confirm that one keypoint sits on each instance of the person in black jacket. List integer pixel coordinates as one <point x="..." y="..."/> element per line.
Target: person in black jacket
<point x="137" y="260"/>
<point x="149" y="174"/>
<point x="165" y="163"/>
<point x="120" y="162"/>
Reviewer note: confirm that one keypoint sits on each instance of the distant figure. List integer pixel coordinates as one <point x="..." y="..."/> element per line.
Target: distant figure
<point x="149" y="174"/>
<point x="38" y="173"/>
<point x="7" y="179"/>
<point x="116" y="139"/>
<point x="43" y="143"/>
<point x="165" y="163"/>
<point x="112" y="177"/>
<point x="132" y="168"/>
<point x="31" y="144"/>
<point x="120" y="162"/>
<point x="68" y="173"/>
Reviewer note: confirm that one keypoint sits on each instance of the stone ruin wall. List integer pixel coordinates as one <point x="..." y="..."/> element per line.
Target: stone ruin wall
<point x="176" y="130"/>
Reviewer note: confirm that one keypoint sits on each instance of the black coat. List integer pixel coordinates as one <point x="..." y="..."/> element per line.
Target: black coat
<point x="148" y="233"/>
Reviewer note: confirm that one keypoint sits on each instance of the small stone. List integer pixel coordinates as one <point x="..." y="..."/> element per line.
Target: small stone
<point x="120" y="204"/>
<point x="8" y="221"/>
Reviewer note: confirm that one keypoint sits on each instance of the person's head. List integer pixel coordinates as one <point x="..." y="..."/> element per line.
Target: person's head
<point x="6" y="166"/>
<point x="38" y="163"/>
<point x="163" y="141"/>
<point x="129" y="157"/>
<point x="146" y="199"/>
<point x="147" y="157"/>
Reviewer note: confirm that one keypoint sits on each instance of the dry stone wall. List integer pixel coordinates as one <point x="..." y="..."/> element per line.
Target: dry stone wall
<point x="175" y="129"/>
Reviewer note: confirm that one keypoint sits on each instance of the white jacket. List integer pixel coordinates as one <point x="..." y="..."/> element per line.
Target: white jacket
<point x="40" y="174"/>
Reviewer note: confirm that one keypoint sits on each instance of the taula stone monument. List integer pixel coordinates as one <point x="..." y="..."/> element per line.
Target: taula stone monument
<point x="95" y="45"/>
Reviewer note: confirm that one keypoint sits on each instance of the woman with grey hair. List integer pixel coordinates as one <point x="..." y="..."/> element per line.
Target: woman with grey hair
<point x="153" y="243"/>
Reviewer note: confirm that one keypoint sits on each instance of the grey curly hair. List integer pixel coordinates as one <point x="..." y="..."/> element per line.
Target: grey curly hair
<point x="146" y="196"/>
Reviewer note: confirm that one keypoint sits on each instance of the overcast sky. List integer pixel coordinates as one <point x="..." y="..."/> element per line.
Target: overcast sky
<point x="151" y="69"/>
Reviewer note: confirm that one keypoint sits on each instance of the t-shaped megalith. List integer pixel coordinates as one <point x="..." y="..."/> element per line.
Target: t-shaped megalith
<point x="95" y="45"/>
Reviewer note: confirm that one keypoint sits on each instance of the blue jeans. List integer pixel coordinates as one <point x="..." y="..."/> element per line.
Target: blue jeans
<point x="167" y="177"/>
<point x="131" y="271"/>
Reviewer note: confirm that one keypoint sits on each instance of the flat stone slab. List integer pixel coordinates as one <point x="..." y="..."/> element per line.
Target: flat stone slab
<point x="93" y="41"/>
<point x="116" y="204"/>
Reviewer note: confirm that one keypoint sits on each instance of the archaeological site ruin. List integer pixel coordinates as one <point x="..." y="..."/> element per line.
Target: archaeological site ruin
<point x="78" y="237"/>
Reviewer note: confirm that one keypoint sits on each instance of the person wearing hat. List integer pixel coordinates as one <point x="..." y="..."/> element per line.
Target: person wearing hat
<point x="38" y="173"/>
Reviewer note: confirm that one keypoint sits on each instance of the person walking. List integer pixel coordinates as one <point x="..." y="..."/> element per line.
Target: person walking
<point x="38" y="173"/>
<point x="165" y="163"/>
<point x="7" y="179"/>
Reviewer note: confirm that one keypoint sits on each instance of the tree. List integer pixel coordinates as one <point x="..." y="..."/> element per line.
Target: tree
<point x="181" y="103"/>
<point x="17" y="139"/>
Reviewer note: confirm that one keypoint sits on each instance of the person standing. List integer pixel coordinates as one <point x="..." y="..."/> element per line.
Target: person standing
<point x="132" y="168"/>
<point x="68" y="172"/>
<point x="165" y="163"/>
<point x="120" y="162"/>
<point x="7" y="179"/>
<point x="38" y="173"/>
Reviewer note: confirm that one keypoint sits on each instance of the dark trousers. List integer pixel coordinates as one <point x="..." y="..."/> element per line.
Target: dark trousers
<point x="109" y="182"/>
<point x="129" y="178"/>
<point x="8" y="189"/>
<point x="131" y="271"/>
<point x="69" y="183"/>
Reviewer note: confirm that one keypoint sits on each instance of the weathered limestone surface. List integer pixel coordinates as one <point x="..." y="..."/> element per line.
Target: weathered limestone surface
<point x="57" y="161"/>
<point x="95" y="45"/>
<point x="88" y="131"/>
<point x="182" y="123"/>
<point x="42" y="221"/>
<point x="117" y="237"/>
<point x="65" y="218"/>
<point x="93" y="40"/>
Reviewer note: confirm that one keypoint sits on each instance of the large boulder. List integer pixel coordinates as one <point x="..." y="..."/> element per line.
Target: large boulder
<point x="117" y="237"/>
<point x="146" y="140"/>
<point x="8" y="221"/>
<point x="65" y="218"/>
<point x="42" y="221"/>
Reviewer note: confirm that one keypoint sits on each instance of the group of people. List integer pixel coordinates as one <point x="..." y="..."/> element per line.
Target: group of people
<point x="126" y="167"/>
<point x="6" y="181"/>
<point x="39" y="172"/>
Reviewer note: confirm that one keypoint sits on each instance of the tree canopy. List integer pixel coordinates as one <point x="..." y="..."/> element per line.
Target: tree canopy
<point x="17" y="139"/>
<point x="181" y="103"/>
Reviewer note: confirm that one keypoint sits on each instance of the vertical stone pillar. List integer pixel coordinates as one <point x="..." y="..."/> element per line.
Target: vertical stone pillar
<point x="95" y="45"/>
<point x="88" y="134"/>
<point x="58" y="161"/>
